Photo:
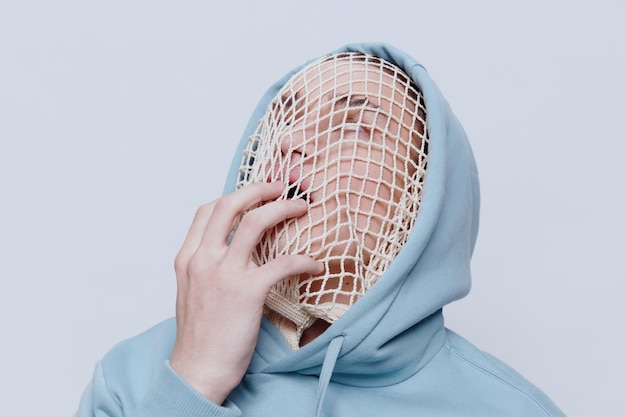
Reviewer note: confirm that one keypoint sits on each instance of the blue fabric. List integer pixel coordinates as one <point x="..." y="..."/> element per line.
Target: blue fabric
<point x="390" y="354"/>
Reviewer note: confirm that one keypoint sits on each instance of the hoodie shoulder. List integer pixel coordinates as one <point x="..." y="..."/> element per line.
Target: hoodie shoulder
<point x="135" y="379"/>
<point x="154" y="344"/>
<point x="494" y="384"/>
<point x="130" y="367"/>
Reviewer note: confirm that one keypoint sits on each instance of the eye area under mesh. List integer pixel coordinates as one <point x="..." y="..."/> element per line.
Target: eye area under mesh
<point x="347" y="134"/>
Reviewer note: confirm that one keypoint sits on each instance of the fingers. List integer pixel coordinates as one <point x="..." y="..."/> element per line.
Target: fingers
<point x="205" y="246"/>
<point x="288" y="265"/>
<point x="257" y="221"/>
<point x="223" y="221"/>
<point x="229" y="207"/>
<point x="189" y="247"/>
<point x="194" y="236"/>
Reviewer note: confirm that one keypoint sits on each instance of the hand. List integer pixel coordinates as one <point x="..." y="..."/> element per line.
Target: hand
<point x="221" y="292"/>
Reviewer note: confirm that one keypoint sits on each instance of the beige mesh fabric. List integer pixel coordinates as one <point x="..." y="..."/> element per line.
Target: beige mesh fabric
<point x="348" y="134"/>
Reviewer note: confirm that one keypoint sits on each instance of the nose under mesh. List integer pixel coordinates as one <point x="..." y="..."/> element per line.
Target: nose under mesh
<point x="348" y="134"/>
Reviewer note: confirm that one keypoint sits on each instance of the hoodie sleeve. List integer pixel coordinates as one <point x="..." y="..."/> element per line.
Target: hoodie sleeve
<point x="168" y="395"/>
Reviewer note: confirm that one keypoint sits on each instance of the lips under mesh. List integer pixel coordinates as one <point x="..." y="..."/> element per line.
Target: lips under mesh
<point x="348" y="134"/>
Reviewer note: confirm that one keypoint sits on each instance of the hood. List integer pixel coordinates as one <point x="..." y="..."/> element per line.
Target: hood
<point x="397" y="326"/>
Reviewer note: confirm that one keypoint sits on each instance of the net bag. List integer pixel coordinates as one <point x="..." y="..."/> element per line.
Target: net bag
<point x="348" y="134"/>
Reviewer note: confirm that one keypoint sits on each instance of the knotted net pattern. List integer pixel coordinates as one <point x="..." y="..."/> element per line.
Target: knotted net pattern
<point x="348" y="134"/>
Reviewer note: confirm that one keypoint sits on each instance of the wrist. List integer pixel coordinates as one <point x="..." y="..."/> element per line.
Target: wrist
<point x="215" y="386"/>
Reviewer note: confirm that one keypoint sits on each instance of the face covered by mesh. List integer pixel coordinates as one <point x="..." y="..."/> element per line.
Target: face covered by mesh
<point x="347" y="133"/>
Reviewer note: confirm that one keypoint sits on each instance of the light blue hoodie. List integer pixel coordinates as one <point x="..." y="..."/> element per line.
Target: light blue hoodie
<point x="389" y="355"/>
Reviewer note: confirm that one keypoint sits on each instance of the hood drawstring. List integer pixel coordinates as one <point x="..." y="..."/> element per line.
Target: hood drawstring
<point x="334" y="347"/>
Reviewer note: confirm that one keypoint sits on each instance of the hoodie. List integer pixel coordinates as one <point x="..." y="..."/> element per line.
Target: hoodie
<point x="389" y="354"/>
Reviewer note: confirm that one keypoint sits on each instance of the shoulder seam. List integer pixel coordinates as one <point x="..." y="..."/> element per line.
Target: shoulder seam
<point x="493" y="375"/>
<point x="106" y="385"/>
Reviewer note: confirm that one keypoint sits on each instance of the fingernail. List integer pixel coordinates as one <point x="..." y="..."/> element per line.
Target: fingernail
<point x="300" y="202"/>
<point x="320" y="267"/>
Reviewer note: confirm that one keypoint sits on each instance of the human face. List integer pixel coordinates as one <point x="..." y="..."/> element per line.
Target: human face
<point x="346" y="134"/>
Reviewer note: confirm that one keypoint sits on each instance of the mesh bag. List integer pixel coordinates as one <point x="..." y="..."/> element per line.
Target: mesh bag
<point x="347" y="133"/>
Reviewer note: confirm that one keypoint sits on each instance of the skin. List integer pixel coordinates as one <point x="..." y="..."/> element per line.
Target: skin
<point x="349" y="120"/>
<point x="339" y="143"/>
<point x="221" y="292"/>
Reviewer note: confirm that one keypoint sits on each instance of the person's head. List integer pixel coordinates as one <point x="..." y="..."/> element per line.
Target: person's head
<point x="348" y="134"/>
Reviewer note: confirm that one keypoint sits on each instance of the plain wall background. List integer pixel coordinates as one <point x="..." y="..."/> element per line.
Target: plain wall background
<point x="119" y="118"/>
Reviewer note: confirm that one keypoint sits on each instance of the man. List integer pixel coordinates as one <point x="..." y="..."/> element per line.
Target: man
<point x="317" y="286"/>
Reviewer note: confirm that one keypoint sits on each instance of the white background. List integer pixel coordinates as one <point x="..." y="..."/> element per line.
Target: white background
<point x="118" y="118"/>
